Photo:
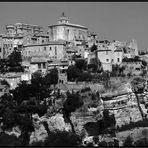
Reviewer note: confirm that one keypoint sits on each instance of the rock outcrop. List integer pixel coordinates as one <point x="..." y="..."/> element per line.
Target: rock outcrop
<point x="54" y="123"/>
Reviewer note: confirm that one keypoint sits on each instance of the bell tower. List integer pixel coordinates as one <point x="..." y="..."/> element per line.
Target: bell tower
<point x="63" y="19"/>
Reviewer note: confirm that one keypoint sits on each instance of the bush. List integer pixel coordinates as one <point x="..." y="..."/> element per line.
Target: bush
<point x="128" y="141"/>
<point x="85" y="77"/>
<point x="142" y="142"/>
<point x="86" y="89"/>
<point x="9" y="140"/>
<point x="60" y="139"/>
<point x="132" y="125"/>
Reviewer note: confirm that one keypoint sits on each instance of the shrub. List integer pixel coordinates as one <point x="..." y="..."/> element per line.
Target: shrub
<point x="142" y="142"/>
<point x="59" y="138"/>
<point x="128" y="141"/>
<point x="9" y="140"/>
<point x="86" y="89"/>
<point x="132" y="125"/>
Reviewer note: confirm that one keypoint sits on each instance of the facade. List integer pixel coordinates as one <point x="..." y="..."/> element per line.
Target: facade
<point x="113" y="52"/>
<point x="51" y="50"/>
<point x="14" y="37"/>
<point x="132" y="66"/>
<point x="67" y="31"/>
<point x="38" y="64"/>
<point x="62" y="66"/>
<point x="105" y="57"/>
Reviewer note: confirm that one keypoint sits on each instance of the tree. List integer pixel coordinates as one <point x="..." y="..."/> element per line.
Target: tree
<point x="117" y="70"/>
<point x="108" y="120"/>
<point x="81" y="64"/>
<point x="9" y="140"/>
<point x="85" y="76"/>
<point x="128" y="141"/>
<point x="22" y="92"/>
<point x="72" y="73"/>
<point x="95" y="65"/>
<point x="106" y="79"/>
<point x="40" y="86"/>
<point x="3" y="67"/>
<point x="93" y="48"/>
<point x="60" y="139"/>
<point x="14" y="61"/>
<point x="73" y="102"/>
<point x="54" y="76"/>
<point x="15" y="58"/>
<point x="141" y="142"/>
<point x="17" y="109"/>
<point x="144" y="63"/>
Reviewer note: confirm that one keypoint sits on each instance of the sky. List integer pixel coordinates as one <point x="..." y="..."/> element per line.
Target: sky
<point x="121" y="21"/>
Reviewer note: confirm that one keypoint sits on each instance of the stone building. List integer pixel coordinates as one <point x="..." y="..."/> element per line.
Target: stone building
<point x="38" y="64"/>
<point x="113" y="52"/>
<point x="14" y="37"/>
<point x="51" y="50"/>
<point x="132" y="66"/>
<point x="62" y="66"/>
<point x="105" y="57"/>
<point x="67" y="31"/>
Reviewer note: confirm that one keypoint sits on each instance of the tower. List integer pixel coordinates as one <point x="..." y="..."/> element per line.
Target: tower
<point x="63" y="19"/>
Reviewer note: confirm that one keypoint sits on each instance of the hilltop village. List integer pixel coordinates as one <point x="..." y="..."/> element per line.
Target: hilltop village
<point x="63" y="86"/>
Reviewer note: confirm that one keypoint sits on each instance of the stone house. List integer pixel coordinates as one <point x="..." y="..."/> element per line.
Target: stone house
<point x="62" y="66"/>
<point x="132" y="66"/>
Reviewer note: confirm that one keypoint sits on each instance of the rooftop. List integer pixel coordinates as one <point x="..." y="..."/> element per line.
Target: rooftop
<point x="69" y="24"/>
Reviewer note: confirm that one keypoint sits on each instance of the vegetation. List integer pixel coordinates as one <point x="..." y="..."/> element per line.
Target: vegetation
<point x="135" y="59"/>
<point x="81" y="64"/>
<point x="93" y="48"/>
<point x="59" y="138"/>
<point x="133" y="125"/>
<point x="72" y="73"/>
<point x="117" y="70"/>
<point x="138" y="85"/>
<point x="12" y="63"/>
<point x="128" y="141"/>
<point x="17" y="109"/>
<point x="73" y="102"/>
<point x="141" y="142"/>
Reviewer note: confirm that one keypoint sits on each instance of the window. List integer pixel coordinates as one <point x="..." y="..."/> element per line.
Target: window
<point x="50" y="48"/>
<point x="44" y="48"/>
<point x="0" y="49"/>
<point x="44" y="65"/>
<point x="39" y="65"/>
<point x="112" y="60"/>
<point x="55" y="50"/>
<point x="137" y="69"/>
<point x="107" y="60"/>
<point x="118" y="60"/>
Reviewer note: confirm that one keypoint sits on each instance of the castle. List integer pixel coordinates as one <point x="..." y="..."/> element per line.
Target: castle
<point x="40" y="48"/>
